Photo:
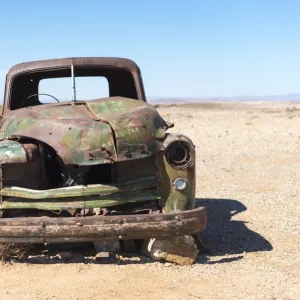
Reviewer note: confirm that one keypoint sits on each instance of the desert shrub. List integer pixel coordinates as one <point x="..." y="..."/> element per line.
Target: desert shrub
<point x="291" y="109"/>
<point x="13" y="250"/>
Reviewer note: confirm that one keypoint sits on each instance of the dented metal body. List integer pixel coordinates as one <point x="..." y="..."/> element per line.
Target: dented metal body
<point x="103" y="168"/>
<point x="94" y="132"/>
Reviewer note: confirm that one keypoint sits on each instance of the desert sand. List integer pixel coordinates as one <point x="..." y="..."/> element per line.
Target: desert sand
<point x="248" y="172"/>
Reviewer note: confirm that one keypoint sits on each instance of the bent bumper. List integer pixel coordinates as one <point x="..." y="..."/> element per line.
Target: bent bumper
<point x="84" y="229"/>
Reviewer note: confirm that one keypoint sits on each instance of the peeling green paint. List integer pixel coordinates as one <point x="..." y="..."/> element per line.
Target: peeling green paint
<point x="12" y="152"/>
<point x="82" y="202"/>
<point x="79" y="190"/>
<point x="173" y="200"/>
<point x="123" y="128"/>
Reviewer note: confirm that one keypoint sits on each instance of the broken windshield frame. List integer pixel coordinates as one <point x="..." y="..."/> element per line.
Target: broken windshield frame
<point x="121" y="82"/>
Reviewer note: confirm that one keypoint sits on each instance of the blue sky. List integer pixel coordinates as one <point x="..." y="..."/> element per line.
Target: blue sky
<point x="184" y="48"/>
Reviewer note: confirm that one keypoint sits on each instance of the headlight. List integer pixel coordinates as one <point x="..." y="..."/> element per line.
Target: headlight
<point x="179" y="184"/>
<point x="179" y="154"/>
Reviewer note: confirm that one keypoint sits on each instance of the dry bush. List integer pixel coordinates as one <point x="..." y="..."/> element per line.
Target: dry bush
<point x="291" y="109"/>
<point x="271" y="110"/>
<point x="13" y="250"/>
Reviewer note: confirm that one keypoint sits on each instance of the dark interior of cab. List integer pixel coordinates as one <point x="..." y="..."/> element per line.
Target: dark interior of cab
<point x="24" y="90"/>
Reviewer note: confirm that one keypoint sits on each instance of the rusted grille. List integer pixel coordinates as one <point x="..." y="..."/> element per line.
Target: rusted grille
<point x="134" y="169"/>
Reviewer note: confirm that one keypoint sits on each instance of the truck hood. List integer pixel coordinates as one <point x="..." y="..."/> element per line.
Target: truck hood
<point x="93" y="132"/>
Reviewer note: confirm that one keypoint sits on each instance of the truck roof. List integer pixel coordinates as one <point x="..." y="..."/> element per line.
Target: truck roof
<point x="76" y="61"/>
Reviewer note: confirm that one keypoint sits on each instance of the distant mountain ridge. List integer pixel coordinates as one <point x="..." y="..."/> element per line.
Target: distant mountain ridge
<point x="292" y="97"/>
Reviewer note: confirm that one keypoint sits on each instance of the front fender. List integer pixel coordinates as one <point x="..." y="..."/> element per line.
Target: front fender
<point x="12" y="152"/>
<point x="172" y="199"/>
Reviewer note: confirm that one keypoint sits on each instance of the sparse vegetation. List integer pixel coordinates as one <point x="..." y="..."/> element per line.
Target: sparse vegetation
<point x="13" y="250"/>
<point x="292" y="109"/>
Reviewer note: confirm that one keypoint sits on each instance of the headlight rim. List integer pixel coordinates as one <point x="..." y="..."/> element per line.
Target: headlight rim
<point x="190" y="153"/>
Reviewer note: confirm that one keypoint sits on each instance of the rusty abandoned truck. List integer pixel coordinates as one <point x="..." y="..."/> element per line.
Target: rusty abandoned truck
<point x="86" y="170"/>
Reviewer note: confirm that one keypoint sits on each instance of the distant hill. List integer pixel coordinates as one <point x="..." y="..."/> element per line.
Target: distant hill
<point x="293" y="97"/>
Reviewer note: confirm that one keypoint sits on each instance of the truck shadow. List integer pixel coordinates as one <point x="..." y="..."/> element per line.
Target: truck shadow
<point x="225" y="236"/>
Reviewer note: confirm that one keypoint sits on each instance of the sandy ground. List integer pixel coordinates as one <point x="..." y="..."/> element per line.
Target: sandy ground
<point x="248" y="171"/>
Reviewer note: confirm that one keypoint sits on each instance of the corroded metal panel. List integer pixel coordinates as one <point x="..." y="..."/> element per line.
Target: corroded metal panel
<point x="51" y="230"/>
<point x="12" y="152"/>
<point x="90" y="133"/>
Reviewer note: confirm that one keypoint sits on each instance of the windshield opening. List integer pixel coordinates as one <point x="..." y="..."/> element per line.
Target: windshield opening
<point x="51" y="86"/>
<point x="87" y="88"/>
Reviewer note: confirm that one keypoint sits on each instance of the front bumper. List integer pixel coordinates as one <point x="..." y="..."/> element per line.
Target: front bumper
<point x="85" y="229"/>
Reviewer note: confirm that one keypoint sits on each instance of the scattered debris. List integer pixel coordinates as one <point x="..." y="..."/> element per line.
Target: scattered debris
<point x="13" y="250"/>
<point x="180" y="250"/>
<point x="65" y="255"/>
<point x="107" y="246"/>
<point x="104" y="257"/>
